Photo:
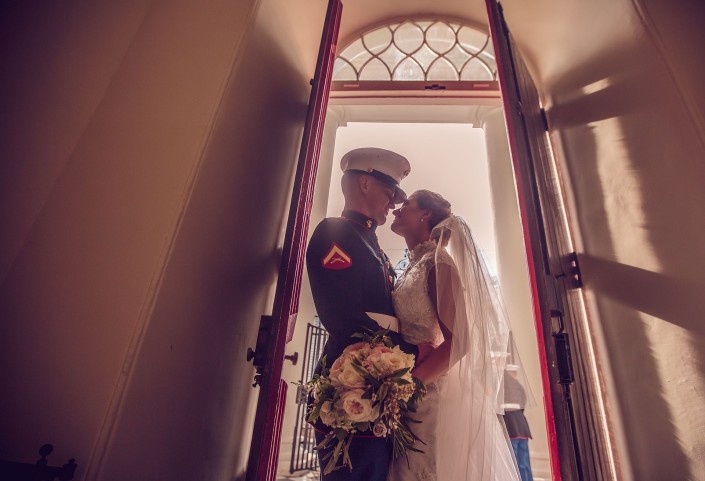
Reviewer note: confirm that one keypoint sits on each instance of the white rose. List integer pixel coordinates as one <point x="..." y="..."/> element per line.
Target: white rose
<point x="327" y="413"/>
<point x="358" y="409"/>
<point x="349" y="377"/>
<point x="409" y="359"/>
<point x="396" y="359"/>
<point x="376" y="360"/>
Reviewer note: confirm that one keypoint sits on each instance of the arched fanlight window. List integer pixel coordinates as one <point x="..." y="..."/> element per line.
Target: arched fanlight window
<point x="418" y="50"/>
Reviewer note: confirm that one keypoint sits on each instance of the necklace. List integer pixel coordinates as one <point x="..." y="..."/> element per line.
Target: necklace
<point x="421" y="249"/>
<point x="415" y="255"/>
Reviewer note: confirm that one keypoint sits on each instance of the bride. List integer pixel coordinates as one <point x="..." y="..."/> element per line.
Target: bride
<point x="446" y="298"/>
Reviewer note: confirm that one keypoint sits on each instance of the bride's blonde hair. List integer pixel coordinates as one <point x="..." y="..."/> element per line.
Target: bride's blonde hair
<point x="435" y="204"/>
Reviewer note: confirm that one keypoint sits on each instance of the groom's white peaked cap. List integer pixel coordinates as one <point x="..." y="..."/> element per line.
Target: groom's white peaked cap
<point x="384" y="165"/>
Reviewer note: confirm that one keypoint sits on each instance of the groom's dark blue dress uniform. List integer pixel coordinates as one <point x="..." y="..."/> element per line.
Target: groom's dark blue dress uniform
<point x="351" y="276"/>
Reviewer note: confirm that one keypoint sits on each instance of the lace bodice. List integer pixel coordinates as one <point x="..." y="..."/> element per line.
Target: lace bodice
<point x="417" y="317"/>
<point x="418" y="323"/>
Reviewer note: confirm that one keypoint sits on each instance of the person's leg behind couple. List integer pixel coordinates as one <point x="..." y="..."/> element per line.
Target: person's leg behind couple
<point x="521" y="451"/>
<point x="370" y="458"/>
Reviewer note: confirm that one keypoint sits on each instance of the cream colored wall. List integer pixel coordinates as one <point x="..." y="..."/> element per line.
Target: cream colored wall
<point x="115" y="116"/>
<point x="143" y="145"/>
<point x="625" y="103"/>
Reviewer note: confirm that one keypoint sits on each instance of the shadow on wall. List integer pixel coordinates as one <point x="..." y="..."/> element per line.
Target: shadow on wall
<point x="631" y="154"/>
<point x="190" y="397"/>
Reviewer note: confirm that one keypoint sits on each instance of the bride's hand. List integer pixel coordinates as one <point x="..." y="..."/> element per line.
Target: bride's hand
<point x="433" y="361"/>
<point x="420" y="372"/>
<point x="425" y="348"/>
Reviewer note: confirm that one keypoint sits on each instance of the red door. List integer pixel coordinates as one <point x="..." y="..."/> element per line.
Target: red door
<point x="578" y="445"/>
<point x="276" y="330"/>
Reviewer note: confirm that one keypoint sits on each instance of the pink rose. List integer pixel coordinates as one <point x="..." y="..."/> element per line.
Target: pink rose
<point x="356" y="408"/>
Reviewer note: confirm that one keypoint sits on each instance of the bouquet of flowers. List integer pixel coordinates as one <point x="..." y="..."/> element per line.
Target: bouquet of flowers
<point x="368" y="389"/>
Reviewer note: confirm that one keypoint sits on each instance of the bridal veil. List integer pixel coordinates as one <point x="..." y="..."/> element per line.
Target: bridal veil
<point x="472" y="440"/>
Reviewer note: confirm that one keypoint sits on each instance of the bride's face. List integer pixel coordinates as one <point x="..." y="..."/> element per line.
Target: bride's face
<point x="409" y="218"/>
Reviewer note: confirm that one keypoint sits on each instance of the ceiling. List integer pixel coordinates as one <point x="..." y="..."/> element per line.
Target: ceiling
<point x="567" y="45"/>
<point x="552" y="35"/>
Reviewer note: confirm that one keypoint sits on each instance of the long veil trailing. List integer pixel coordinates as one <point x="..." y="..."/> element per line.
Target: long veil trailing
<point x="473" y="444"/>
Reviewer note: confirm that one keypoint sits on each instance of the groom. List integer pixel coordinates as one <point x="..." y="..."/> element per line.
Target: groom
<point x="352" y="281"/>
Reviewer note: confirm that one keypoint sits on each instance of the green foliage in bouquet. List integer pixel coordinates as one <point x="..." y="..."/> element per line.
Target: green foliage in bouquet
<point x="368" y="389"/>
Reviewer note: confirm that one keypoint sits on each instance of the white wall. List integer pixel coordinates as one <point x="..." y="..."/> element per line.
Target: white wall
<point x="623" y="87"/>
<point x="109" y="129"/>
<point x="450" y="159"/>
<point x="137" y="138"/>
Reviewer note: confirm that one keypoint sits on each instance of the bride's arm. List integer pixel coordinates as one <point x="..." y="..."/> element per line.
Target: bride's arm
<point x="436" y="363"/>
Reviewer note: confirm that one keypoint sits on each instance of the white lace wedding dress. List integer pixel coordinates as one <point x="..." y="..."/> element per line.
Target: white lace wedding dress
<point x="419" y="324"/>
<point x="463" y="435"/>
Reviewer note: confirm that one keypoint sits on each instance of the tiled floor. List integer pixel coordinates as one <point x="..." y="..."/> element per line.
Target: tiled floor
<point x="302" y="476"/>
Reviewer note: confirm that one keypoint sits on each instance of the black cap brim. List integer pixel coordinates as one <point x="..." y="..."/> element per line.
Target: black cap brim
<point x="399" y="194"/>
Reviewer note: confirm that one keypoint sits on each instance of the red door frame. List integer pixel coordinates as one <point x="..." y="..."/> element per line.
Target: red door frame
<point x="528" y="148"/>
<point x="276" y="330"/>
<point x="529" y="220"/>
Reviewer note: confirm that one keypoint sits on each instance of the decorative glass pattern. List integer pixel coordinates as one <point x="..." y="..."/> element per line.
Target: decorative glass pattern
<point x="418" y="50"/>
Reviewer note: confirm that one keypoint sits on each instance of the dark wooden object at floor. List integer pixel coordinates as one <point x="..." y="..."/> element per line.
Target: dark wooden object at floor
<point x="39" y="471"/>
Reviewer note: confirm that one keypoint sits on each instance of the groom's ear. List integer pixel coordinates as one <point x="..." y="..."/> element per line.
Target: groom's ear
<point x="364" y="182"/>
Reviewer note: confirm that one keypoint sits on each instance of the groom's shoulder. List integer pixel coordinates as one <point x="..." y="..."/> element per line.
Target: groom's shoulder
<point x="331" y="227"/>
<point x="329" y="230"/>
<point x="333" y="222"/>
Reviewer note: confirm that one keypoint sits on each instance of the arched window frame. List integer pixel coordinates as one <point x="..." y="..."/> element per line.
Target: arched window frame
<point x="482" y="55"/>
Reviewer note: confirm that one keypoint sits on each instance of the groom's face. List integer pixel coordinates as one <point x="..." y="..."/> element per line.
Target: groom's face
<point x="381" y="200"/>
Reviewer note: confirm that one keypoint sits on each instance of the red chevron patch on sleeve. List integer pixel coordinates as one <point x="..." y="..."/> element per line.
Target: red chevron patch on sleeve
<point x="336" y="259"/>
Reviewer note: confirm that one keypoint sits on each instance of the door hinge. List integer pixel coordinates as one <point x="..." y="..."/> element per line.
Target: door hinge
<point x="258" y="356"/>
<point x="544" y="119"/>
<point x="572" y="276"/>
<point x="564" y="362"/>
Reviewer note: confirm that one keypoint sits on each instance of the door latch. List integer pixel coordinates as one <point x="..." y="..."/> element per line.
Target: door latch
<point x="258" y="355"/>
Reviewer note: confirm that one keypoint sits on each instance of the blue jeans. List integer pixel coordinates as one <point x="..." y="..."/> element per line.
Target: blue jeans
<point x="521" y="451"/>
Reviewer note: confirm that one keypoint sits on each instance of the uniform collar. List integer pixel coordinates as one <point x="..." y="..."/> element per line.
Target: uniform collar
<point x="361" y="219"/>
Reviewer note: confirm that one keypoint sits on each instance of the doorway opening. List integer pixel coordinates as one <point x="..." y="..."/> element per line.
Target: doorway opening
<point x="461" y="152"/>
<point x="579" y="432"/>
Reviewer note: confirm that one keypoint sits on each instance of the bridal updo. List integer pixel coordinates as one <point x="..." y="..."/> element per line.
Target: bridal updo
<point x="435" y="204"/>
